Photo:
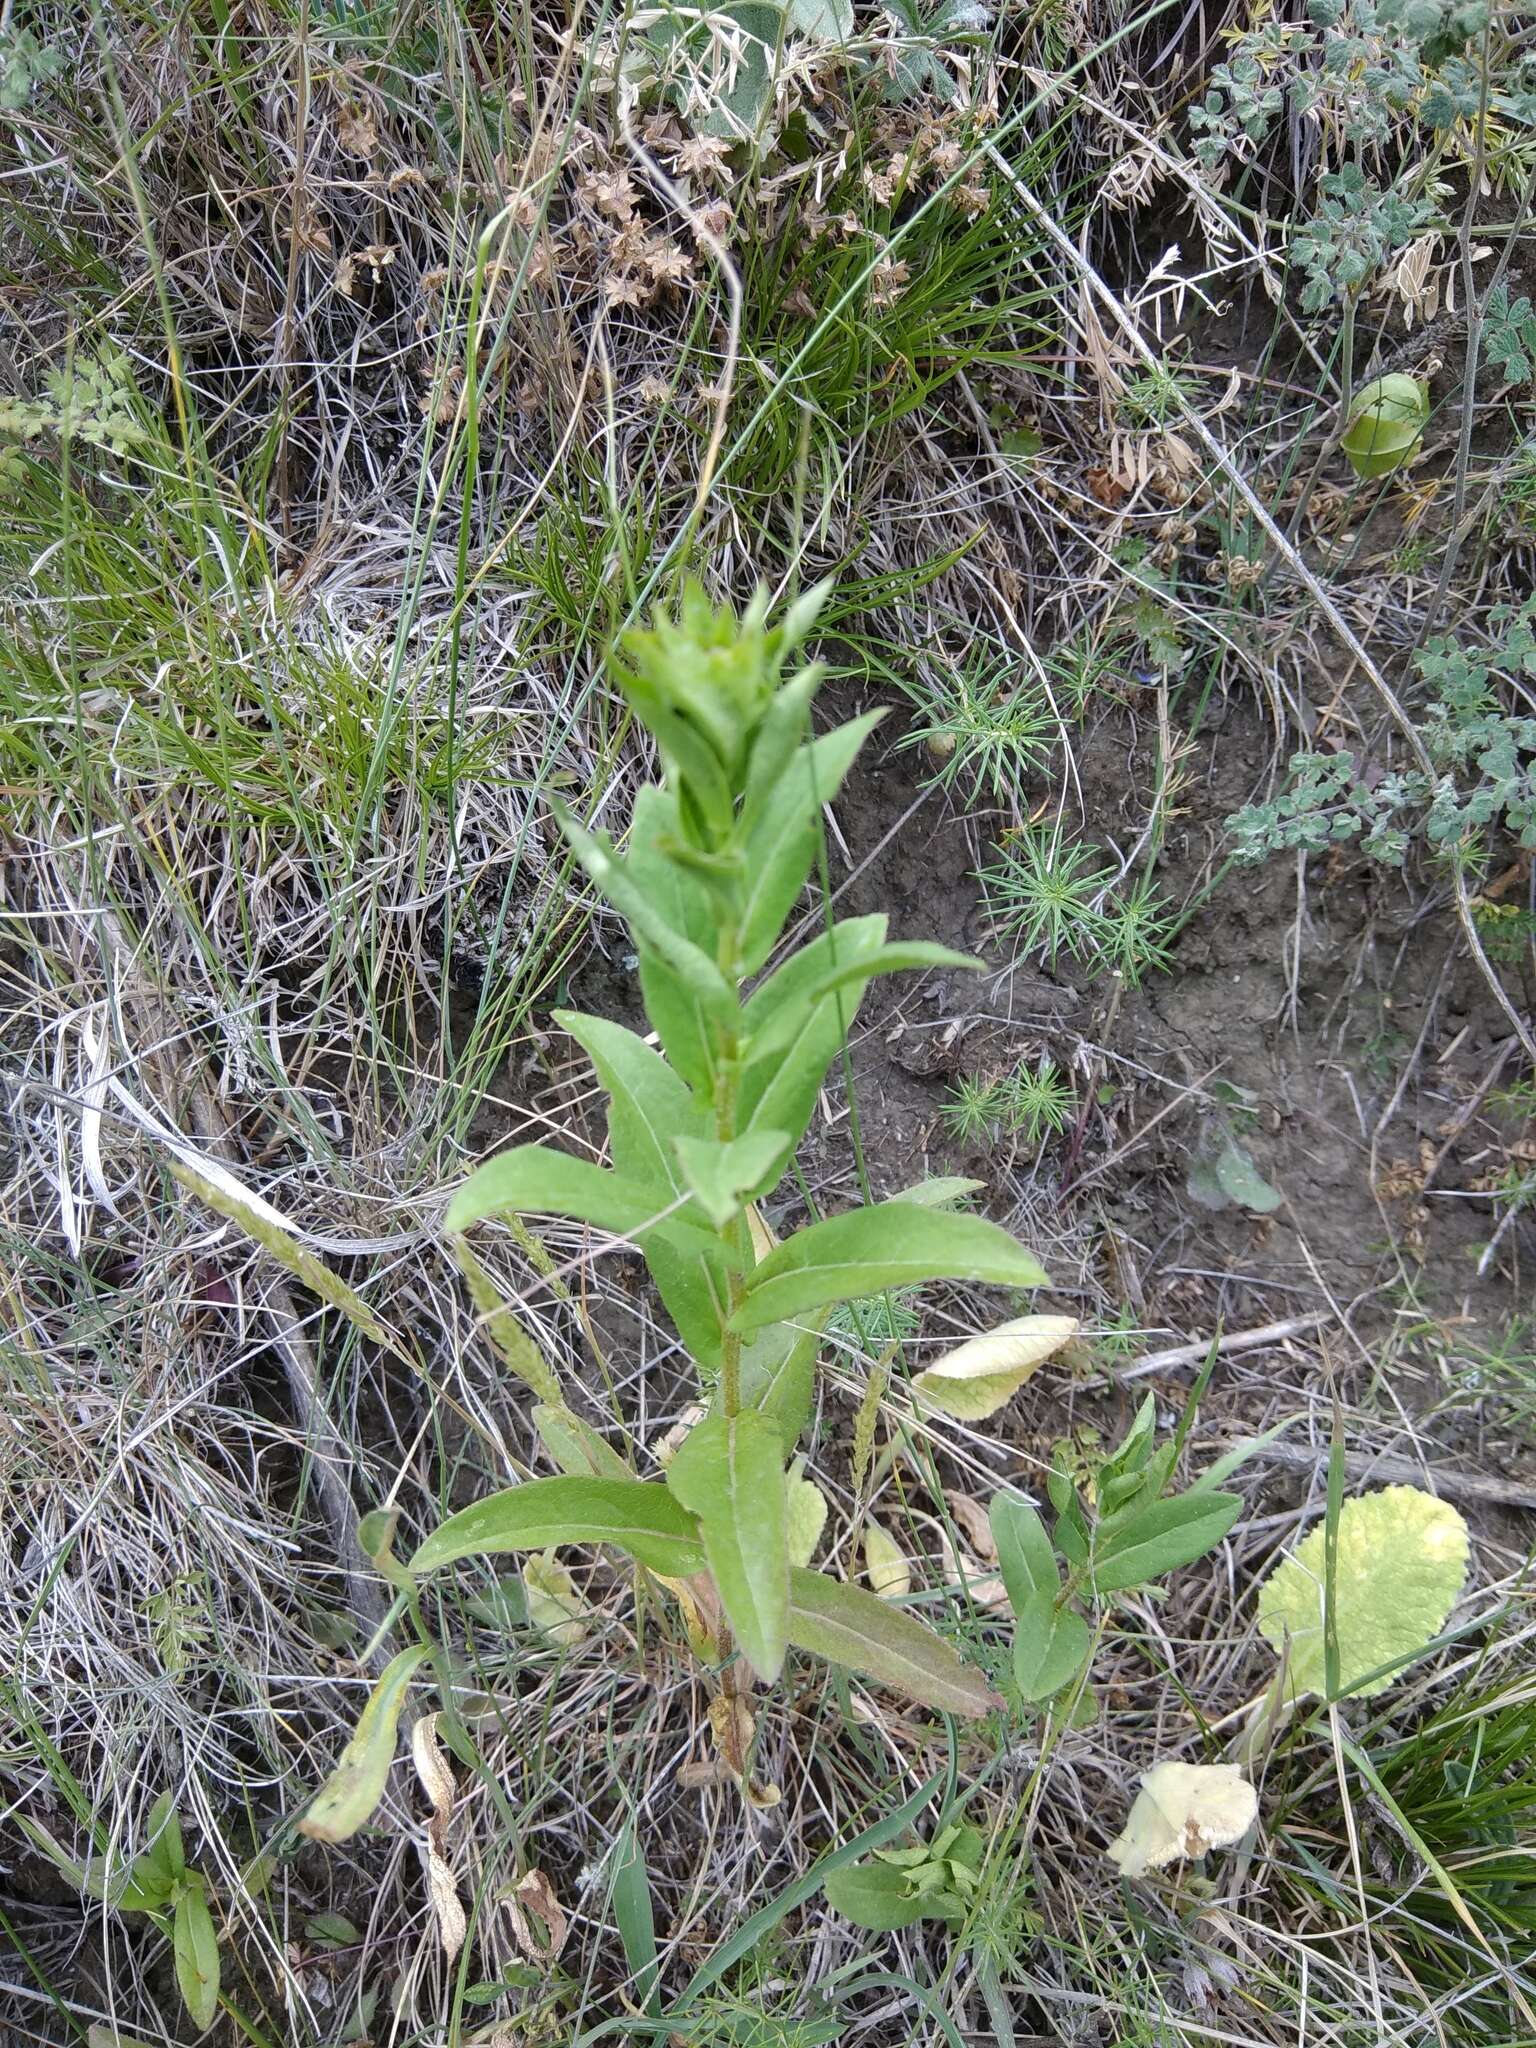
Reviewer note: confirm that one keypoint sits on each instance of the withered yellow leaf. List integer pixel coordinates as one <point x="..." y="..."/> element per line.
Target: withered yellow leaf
<point x="974" y="1380"/>
<point x="1183" y="1810"/>
<point x="888" y="1570"/>
<point x="807" y="1517"/>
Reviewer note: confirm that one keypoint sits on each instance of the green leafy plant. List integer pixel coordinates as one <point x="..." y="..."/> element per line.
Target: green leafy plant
<point x="1482" y="765"/>
<point x="699" y="1131"/>
<point x="1031" y="1103"/>
<point x="1055" y="896"/>
<point x="25" y="64"/>
<point x="1225" y="1177"/>
<point x="987" y="728"/>
<point x="93" y="400"/>
<point x="1509" y="335"/>
<point x="894" y="1888"/>
<point x="1113" y="1531"/>
<point x="156" y="1882"/>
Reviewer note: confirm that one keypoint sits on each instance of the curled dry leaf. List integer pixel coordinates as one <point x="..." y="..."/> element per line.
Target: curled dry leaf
<point x="974" y="1523"/>
<point x="732" y="1725"/>
<point x="539" y="1925"/>
<point x="437" y="1782"/>
<point x="888" y="1570"/>
<point x="667" y="1446"/>
<point x="983" y="1583"/>
<point x="356" y="131"/>
<point x="1181" y="1811"/>
<point x="974" y="1380"/>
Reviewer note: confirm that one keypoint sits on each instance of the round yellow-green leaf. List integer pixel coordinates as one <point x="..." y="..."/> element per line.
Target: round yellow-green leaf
<point x="1401" y="1565"/>
<point x="978" y="1377"/>
<point x="1386" y="424"/>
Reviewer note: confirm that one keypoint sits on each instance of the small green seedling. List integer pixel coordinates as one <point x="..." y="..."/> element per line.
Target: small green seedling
<point x="895" y="1888"/>
<point x="1386" y="425"/>
<point x="156" y="1882"/>
<point x="1131" y="1533"/>
<point x="1228" y="1179"/>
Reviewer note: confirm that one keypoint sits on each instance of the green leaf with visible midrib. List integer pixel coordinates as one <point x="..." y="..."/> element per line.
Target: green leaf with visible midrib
<point x="195" y="1946"/>
<point x="848" y="1626"/>
<point x="536" y="1180"/>
<point x="634" y="1515"/>
<point x="612" y="877"/>
<point x="892" y="1244"/>
<point x="356" y="1785"/>
<point x="1160" y="1537"/>
<point x="783" y="845"/>
<point x="649" y="1104"/>
<point x="729" y="1471"/>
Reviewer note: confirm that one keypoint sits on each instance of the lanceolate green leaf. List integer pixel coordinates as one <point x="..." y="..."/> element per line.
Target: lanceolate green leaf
<point x="1024" y="1554"/>
<point x="848" y="1626"/>
<point x="631" y="1514"/>
<point x="690" y="1275"/>
<point x="724" y="1176"/>
<point x="649" y="1106"/>
<point x="1049" y="1646"/>
<point x="1050" y="1641"/>
<point x="729" y="1471"/>
<point x="536" y="1180"/>
<point x="356" y="1785"/>
<point x="680" y="1017"/>
<point x="1158" y="1538"/>
<point x="892" y="1244"/>
<point x="680" y="900"/>
<point x="783" y="844"/>
<point x="778" y="740"/>
<point x="778" y="1375"/>
<point x="902" y="956"/>
<point x="611" y="876"/>
<point x="195" y="1946"/>
<point x="780" y="1012"/>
